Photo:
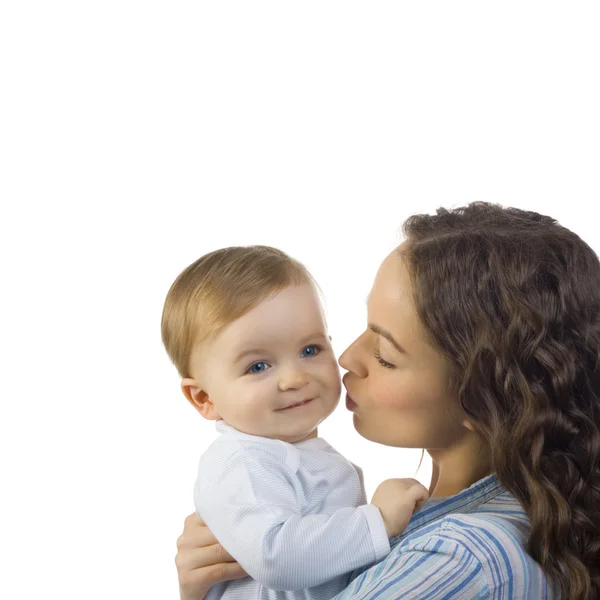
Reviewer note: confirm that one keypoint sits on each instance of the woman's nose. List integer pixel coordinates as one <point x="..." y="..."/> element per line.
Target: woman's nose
<point x="350" y="359"/>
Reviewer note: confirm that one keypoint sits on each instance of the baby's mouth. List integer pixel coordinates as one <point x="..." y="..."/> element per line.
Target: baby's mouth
<point x="301" y="403"/>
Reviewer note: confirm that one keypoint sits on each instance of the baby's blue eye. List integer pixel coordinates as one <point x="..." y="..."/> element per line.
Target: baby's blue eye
<point x="258" y="367"/>
<point x="310" y="351"/>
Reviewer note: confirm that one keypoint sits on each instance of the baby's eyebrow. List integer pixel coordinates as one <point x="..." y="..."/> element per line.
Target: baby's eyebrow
<point x="313" y="336"/>
<point x="248" y="352"/>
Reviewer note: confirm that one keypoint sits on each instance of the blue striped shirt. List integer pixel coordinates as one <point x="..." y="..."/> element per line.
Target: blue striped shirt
<point x="464" y="547"/>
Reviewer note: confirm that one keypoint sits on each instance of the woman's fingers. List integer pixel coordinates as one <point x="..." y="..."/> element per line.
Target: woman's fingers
<point x="193" y="520"/>
<point x="198" y="571"/>
<point x="197" y="558"/>
<point x="201" y="561"/>
<point x="210" y="575"/>
<point x="224" y="571"/>
<point x="195" y="533"/>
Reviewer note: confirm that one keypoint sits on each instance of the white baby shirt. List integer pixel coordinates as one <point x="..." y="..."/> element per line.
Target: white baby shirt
<point x="293" y="515"/>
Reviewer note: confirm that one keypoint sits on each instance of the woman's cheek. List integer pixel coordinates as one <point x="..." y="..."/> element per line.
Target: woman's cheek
<point x="394" y="396"/>
<point x="385" y="394"/>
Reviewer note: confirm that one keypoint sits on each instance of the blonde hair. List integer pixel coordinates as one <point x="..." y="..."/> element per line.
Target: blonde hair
<point x="219" y="288"/>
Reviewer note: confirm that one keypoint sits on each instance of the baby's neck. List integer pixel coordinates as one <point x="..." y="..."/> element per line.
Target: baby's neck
<point x="310" y="436"/>
<point x="290" y="440"/>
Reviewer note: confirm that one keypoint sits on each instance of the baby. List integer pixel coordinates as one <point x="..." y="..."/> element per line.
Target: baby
<point x="245" y="328"/>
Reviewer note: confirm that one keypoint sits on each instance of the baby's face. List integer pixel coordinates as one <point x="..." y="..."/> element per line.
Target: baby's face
<point x="273" y="372"/>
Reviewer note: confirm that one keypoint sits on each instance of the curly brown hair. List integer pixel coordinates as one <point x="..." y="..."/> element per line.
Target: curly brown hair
<point x="512" y="299"/>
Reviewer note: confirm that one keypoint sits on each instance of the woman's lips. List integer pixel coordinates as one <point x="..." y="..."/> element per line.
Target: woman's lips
<point x="350" y="404"/>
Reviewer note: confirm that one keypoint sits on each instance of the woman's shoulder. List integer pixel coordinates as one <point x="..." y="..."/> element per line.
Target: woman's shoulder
<point x="501" y="518"/>
<point x="490" y="530"/>
<point x="494" y="537"/>
<point x="472" y="545"/>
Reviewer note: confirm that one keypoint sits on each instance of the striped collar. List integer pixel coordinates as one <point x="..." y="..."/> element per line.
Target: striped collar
<point x="479" y="493"/>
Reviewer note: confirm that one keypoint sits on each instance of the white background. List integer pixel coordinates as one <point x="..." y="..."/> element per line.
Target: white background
<point x="136" y="136"/>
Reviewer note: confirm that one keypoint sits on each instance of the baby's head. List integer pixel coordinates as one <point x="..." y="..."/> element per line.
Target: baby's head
<point x="245" y="328"/>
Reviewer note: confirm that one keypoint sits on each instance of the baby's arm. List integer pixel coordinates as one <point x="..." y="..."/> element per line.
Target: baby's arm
<point x="397" y="499"/>
<point x="251" y="505"/>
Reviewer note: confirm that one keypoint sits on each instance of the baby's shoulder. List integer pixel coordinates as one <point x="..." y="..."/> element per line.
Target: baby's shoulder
<point x="231" y="452"/>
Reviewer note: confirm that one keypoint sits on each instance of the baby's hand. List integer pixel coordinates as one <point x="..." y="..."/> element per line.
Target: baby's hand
<point x="397" y="499"/>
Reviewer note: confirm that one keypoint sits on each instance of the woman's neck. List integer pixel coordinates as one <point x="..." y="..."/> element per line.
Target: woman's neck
<point x="458" y="468"/>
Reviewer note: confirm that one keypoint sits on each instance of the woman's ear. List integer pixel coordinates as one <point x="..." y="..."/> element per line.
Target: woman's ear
<point x="468" y="425"/>
<point x="199" y="399"/>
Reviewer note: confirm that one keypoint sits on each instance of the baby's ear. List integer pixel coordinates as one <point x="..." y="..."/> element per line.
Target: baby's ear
<point x="199" y="399"/>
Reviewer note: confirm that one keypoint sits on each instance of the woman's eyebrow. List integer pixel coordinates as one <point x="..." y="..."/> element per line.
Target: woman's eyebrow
<point x="388" y="336"/>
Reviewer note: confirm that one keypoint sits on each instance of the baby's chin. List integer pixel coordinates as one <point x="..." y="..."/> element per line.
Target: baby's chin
<point x="300" y="423"/>
<point x="292" y="436"/>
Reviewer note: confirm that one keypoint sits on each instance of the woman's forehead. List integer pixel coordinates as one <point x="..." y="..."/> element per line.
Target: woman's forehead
<point x="392" y="283"/>
<point x="391" y="306"/>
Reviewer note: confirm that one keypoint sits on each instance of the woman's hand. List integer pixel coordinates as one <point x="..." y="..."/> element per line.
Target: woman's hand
<point x="201" y="561"/>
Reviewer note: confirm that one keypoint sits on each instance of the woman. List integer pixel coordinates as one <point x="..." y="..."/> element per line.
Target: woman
<point x="482" y="346"/>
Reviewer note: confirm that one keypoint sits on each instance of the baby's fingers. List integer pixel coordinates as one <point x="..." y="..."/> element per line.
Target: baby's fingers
<point x="418" y="495"/>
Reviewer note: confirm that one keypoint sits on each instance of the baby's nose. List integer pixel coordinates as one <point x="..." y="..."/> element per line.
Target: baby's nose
<point x="292" y="379"/>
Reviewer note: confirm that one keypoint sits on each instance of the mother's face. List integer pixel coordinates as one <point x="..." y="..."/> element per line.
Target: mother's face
<point x="397" y="383"/>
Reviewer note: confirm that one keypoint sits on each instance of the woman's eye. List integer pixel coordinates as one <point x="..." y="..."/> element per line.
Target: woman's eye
<point x="310" y="351"/>
<point x="259" y="367"/>
<point x="382" y="362"/>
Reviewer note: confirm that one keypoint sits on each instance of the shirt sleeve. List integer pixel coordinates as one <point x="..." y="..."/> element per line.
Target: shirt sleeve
<point x="361" y="478"/>
<point x="252" y="504"/>
<point x="433" y="569"/>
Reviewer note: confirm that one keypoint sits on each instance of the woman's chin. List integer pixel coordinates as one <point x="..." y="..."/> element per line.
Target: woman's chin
<point x="385" y="438"/>
<point x="362" y="430"/>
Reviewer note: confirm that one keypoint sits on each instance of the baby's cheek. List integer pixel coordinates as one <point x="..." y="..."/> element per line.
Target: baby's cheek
<point x="252" y="402"/>
<point x="332" y="374"/>
<point x="335" y="381"/>
<point x="262" y="400"/>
